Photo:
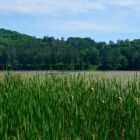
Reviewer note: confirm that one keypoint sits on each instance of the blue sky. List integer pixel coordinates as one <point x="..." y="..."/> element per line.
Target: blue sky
<point x="102" y="20"/>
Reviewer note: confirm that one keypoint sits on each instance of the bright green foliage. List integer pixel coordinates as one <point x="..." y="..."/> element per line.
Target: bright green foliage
<point x="69" y="107"/>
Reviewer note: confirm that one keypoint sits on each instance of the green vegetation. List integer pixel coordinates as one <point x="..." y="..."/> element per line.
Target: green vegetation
<point x="23" y="52"/>
<point x="69" y="107"/>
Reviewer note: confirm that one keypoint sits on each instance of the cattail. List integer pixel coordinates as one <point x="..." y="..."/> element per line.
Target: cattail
<point x="103" y="101"/>
<point x="137" y="101"/>
<point x="92" y="89"/>
<point x="120" y="99"/>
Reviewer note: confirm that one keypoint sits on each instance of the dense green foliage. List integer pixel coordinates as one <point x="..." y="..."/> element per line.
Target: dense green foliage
<point x="19" y="51"/>
<point x="69" y="107"/>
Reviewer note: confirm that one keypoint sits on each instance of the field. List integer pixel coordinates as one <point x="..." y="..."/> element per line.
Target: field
<point x="70" y="105"/>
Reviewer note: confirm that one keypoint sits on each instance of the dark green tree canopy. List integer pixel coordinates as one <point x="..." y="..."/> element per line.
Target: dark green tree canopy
<point x="23" y="52"/>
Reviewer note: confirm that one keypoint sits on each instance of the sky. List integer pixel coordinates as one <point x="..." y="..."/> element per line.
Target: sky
<point x="101" y="20"/>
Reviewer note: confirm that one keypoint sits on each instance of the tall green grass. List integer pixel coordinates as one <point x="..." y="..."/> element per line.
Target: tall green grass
<point x="69" y="107"/>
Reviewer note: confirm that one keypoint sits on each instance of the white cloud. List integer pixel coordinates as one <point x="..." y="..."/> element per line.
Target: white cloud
<point x="125" y="3"/>
<point x="86" y="26"/>
<point x="49" y="6"/>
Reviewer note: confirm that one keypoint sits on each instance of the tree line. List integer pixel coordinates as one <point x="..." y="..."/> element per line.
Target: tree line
<point x="23" y="52"/>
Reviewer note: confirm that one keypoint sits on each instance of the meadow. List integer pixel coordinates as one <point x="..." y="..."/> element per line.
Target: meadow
<point x="70" y="105"/>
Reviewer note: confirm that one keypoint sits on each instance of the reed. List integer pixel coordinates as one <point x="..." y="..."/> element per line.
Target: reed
<point x="69" y="107"/>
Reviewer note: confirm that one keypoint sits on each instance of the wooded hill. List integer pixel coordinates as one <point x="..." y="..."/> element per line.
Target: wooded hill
<point x="23" y="52"/>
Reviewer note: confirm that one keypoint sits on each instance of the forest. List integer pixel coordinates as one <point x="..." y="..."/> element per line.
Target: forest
<point x="23" y="52"/>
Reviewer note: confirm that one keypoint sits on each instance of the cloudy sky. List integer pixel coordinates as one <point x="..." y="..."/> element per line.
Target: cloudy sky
<point x="102" y="20"/>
